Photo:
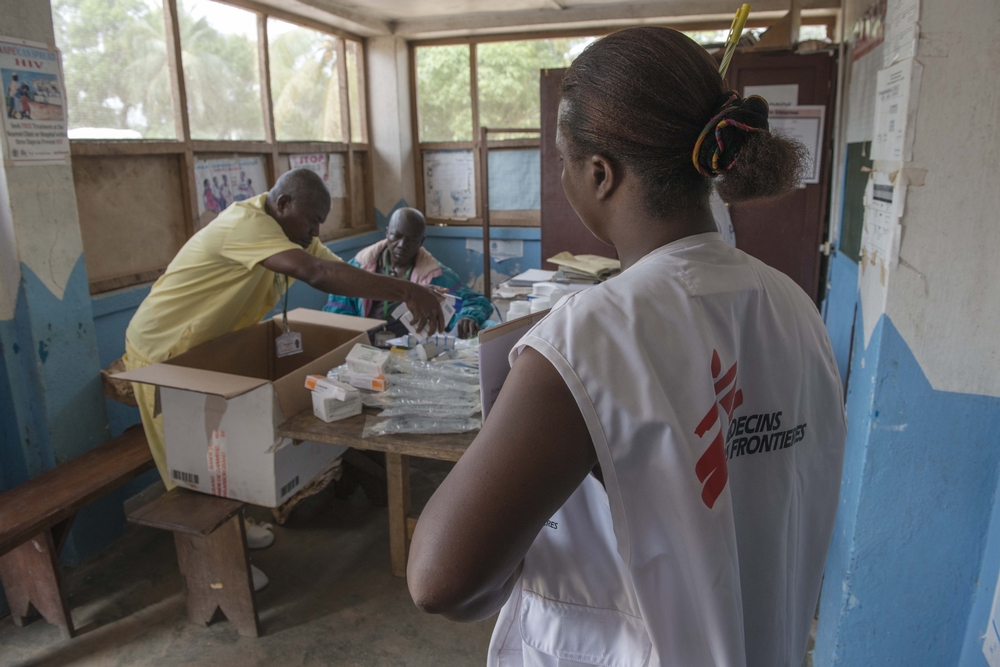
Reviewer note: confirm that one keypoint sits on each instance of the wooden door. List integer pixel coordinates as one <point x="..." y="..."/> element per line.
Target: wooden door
<point x="562" y="228"/>
<point x="787" y="233"/>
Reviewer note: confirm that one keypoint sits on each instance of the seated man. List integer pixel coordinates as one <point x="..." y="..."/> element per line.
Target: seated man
<point x="402" y="255"/>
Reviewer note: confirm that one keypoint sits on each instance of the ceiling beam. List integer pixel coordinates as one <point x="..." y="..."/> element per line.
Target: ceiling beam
<point x="329" y="13"/>
<point x="588" y="15"/>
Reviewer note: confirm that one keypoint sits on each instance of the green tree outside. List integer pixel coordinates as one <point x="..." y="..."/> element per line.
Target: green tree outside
<point x="305" y="84"/>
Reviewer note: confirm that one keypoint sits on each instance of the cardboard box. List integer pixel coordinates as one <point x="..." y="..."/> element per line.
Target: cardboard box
<point x="222" y="400"/>
<point x="495" y="345"/>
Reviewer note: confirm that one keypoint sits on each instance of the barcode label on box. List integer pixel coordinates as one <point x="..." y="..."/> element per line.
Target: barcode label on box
<point x="188" y="477"/>
<point x="288" y="487"/>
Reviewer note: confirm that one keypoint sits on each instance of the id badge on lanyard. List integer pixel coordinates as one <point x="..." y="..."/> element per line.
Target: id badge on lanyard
<point x="289" y="342"/>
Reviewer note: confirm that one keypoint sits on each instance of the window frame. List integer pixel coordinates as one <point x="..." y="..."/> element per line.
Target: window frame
<point x="269" y="149"/>
<point x="519" y="218"/>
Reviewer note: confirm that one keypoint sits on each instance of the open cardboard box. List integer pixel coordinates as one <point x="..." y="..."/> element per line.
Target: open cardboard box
<point x="222" y="400"/>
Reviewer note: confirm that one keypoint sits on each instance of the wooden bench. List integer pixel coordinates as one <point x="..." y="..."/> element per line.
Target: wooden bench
<point x="36" y="516"/>
<point x="398" y="449"/>
<point x="211" y="553"/>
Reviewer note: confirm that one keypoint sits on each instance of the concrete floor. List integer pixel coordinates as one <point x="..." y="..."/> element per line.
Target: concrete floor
<point x="331" y="601"/>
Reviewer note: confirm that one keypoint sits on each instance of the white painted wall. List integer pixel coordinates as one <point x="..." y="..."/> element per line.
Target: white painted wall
<point x="949" y="312"/>
<point x="391" y="127"/>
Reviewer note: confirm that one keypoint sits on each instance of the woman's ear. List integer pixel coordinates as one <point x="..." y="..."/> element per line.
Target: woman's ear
<point x="605" y="176"/>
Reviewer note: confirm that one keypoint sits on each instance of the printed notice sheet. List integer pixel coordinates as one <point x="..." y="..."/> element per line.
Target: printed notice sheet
<point x="34" y="119"/>
<point x="898" y="89"/>
<point x="804" y="124"/>
<point x="329" y="167"/>
<point x="901" y="30"/>
<point x="448" y="184"/>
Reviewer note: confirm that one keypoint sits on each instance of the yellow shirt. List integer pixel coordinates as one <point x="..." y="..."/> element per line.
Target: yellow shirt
<point x="215" y="284"/>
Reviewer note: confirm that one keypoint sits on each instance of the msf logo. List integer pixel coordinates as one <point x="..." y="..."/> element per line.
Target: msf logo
<point x="711" y="467"/>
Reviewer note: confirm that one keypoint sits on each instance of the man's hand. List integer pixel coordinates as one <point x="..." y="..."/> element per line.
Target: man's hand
<point x="425" y="306"/>
<point x="340" y="278"/>
<point x="467" y="327"/>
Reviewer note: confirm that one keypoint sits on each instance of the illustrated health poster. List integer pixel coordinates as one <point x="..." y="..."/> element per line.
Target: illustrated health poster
<point x="34" y="119"/>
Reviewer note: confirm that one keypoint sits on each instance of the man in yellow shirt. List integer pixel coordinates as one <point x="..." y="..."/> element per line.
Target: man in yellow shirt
<point x="232" y="273"/>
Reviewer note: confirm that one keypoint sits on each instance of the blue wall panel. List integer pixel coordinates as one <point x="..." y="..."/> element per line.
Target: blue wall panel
<point x="918" y="495"/>
<point x="839" y="306"/>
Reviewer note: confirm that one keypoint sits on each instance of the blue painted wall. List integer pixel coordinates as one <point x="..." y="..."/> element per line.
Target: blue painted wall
<point x="839" y="306"/>
<point x="916" y="517"/>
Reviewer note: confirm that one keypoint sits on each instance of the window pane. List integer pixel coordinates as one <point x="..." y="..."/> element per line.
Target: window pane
<point x="219" y="54"/>
<point x="305" y="84"/>
<point x="115" y="64"/>
<point x="354" y="92"/>
<point x="444" y="103"/>
<point x="808" y="32"/>
<point x="508" y="77"/>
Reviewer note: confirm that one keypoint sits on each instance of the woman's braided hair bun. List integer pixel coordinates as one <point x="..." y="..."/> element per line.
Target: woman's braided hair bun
<point x="652" y="100"/>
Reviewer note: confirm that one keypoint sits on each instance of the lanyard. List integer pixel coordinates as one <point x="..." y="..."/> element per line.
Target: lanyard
<point x="284" y="307"/>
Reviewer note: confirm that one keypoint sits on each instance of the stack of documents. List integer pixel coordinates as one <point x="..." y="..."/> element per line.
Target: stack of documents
<point x="585" y="268"/>
<point x="530" y="277"/>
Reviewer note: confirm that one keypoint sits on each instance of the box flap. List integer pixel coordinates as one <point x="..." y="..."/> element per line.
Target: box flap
<point x="323" y="318"/>
<point x="495" y="345"/>
<point x="486" y="335"/>
<point x="290" y="389"/>
<point x="192" y="379"/>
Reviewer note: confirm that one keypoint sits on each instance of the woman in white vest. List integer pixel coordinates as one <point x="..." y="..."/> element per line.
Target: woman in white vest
<point x="658" y="479"/>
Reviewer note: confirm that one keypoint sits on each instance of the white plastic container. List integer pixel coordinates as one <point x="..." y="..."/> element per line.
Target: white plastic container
<point x="518" y="309"/>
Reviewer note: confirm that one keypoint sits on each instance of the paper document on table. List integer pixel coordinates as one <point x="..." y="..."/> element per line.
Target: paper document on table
<point x="592" y="265"/>
<point x="531" y="276"/>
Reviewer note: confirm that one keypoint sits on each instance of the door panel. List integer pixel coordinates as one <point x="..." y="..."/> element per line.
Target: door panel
<point x="562" y="228"/>
<point x="787" y="233"/>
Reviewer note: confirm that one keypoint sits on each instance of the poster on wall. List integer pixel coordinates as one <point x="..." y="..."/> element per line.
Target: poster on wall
<point x="902" y="30"/>
<point x="448" y="184"/>
<point x="804" y="124"/>
<point x="898" y="90"/>
<point x="783" y="95"/>
<point x="881" y="234"/>
<point x="34" y="115"/>
<point x="861" y="96"/>
<point x="329" y="167"/>
<point x="222" y="181"/>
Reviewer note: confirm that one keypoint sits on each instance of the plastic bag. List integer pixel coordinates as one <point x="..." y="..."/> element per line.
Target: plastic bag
<point x="432" y="411"/>
<point x="375" y="426"/>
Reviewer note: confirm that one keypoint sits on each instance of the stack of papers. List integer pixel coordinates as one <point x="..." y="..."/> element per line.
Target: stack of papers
<point x="585" y="268"/>
<point x="530" y="277"/>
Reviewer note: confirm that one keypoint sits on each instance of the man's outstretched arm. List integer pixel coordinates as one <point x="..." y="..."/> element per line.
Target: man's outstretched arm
<point x="342" y="278"/>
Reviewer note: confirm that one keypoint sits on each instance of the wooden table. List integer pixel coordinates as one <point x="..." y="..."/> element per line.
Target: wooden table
<point x="398" y="449"/>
